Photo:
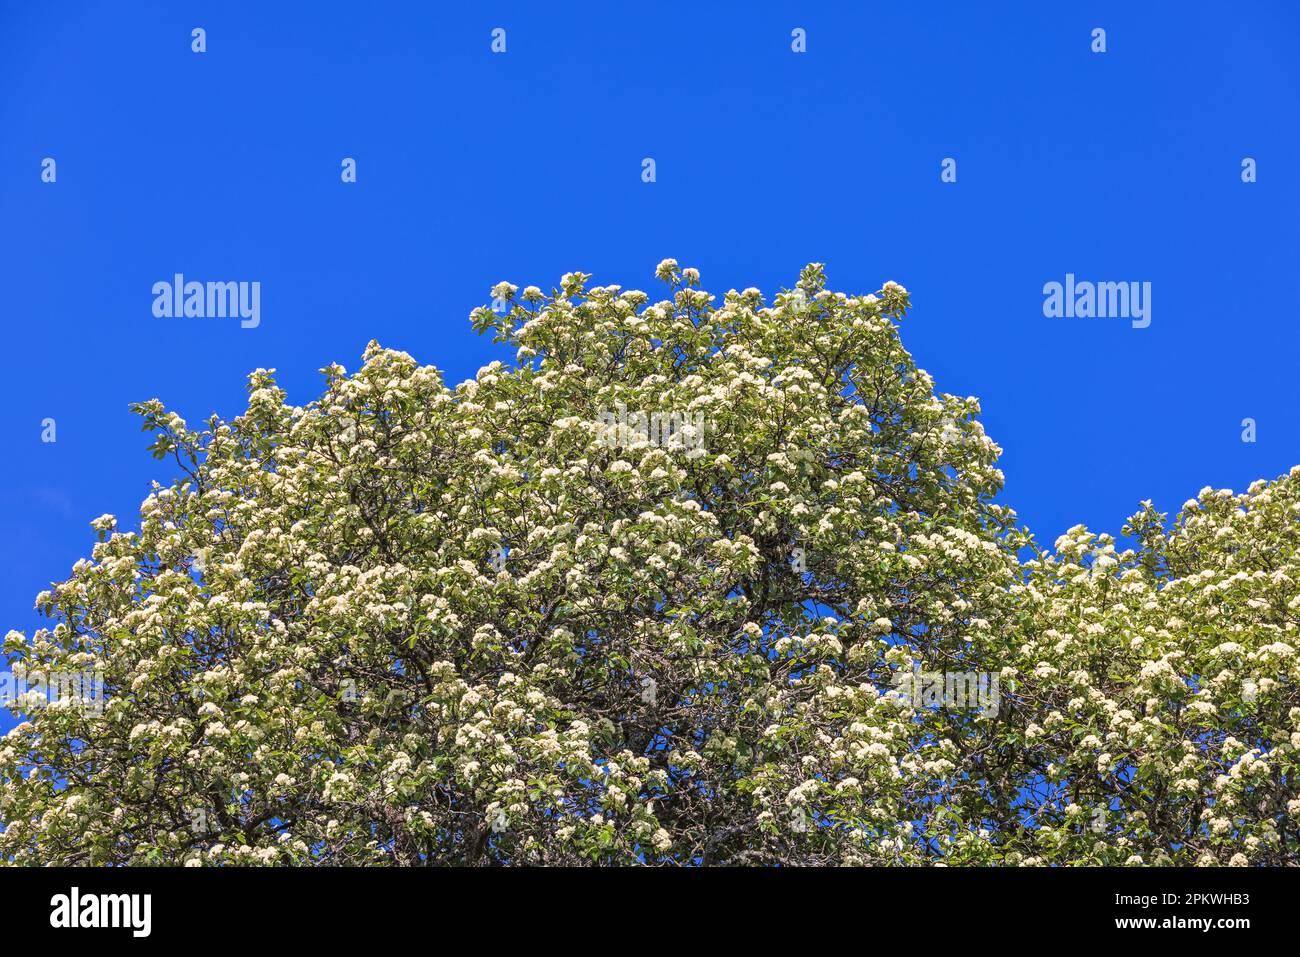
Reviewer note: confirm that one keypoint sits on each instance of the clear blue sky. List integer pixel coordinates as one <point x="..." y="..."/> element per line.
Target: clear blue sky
<point x="475" y="167"/>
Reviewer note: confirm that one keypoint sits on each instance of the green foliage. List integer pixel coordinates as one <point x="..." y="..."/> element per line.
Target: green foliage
<point x="409" y="623"/>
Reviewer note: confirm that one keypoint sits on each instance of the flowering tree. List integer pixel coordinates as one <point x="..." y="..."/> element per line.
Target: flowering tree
<point x="693" y="582"/>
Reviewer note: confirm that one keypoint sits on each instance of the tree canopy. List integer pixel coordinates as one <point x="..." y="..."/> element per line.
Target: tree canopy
<point x="690" y="582"/>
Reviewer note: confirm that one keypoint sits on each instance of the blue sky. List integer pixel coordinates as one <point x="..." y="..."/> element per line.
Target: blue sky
<point x="475" y="167"/>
